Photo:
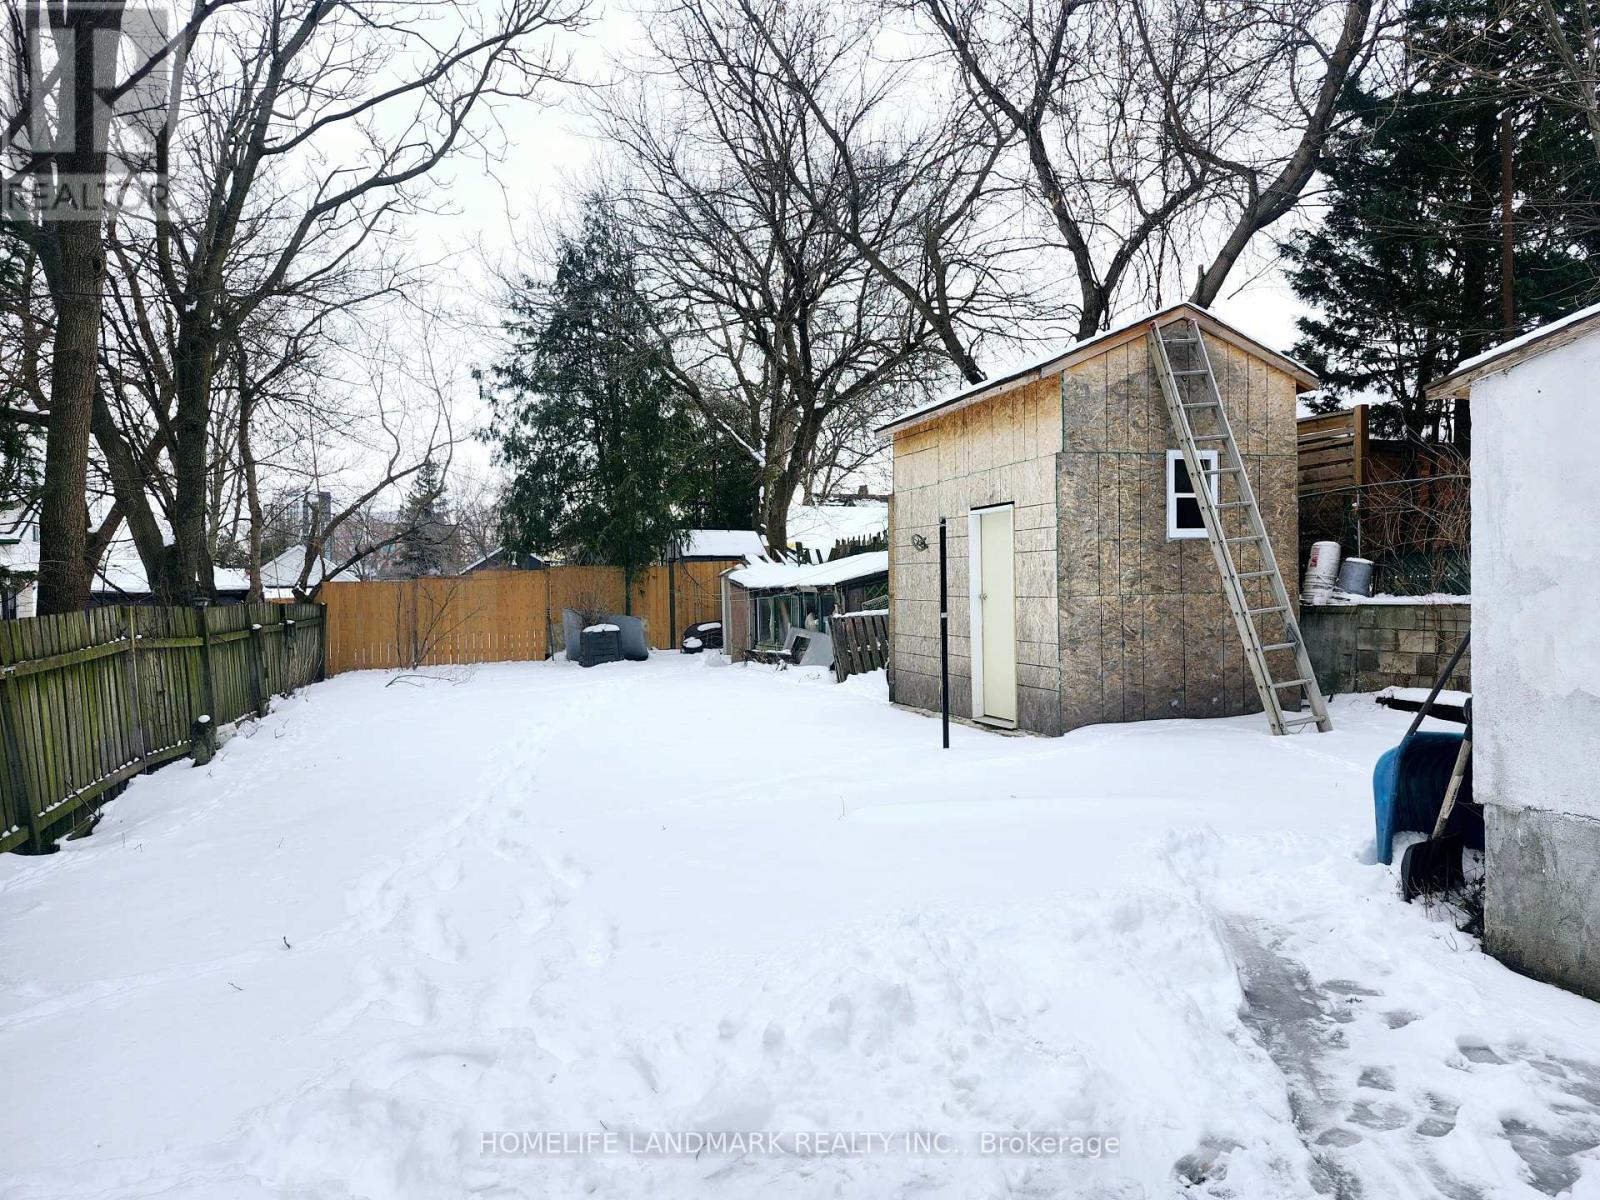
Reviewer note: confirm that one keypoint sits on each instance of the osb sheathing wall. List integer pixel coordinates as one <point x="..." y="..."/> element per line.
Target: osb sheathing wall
<point x="1114" y="622"/>
<point x="1002" y="450"/>
<point x="1145" y="628"/>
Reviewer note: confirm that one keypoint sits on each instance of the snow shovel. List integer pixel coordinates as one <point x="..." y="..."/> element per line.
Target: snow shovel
<point x="1434" y="866"/>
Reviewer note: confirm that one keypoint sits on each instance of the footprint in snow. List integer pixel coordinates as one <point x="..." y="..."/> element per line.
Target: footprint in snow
<point x="1378" y="1078"/>
<point x="1441" y="1119"/>
<point x="1476" y="1051"/>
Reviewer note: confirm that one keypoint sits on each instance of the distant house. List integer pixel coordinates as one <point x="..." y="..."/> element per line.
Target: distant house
<point x="279" y="575"/>
<point x="121" y="579"/>
<point x="501" y="559"/>
<point x="19" y="562"/>
<point x="762" y="602"/>
<point x="1536" y="658"/>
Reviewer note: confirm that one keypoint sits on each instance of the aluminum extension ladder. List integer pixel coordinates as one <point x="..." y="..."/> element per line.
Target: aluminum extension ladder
<point x="1191" y="392"/>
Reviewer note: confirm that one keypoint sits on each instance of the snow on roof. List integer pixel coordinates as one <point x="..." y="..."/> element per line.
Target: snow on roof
<point x="1039" y="368"/>
<point x="19" y="556"/>
<point x="122" y="573"/>
<point x="722" y="543"/>
<point x="820" y="527"/>
<point x="284" y="571"/>
<point x="792" y="575"/>
<point x="1565" y="324"/>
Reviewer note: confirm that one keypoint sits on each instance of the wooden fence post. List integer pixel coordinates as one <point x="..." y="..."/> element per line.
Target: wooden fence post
<point x="131" y="670"/>
<point x="13" y="749"/>
<point x="672" y="604"/>
<point x="285" y="650"/>
<point x="322" y="644"/>
<point x="205" y="725"/>
<point x="257" y="691"/>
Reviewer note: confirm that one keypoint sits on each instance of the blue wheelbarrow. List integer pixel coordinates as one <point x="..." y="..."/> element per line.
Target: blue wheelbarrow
<point x="1424" y="785"/>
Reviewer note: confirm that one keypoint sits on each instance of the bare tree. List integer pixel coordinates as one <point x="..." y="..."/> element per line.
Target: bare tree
<point x="773" y="317"/>
<point x="1141" y="124"/>
<point x="59" y="122"/>
<point x="1252" y="94"/>
<point x="903" y="172"/>
<point x="1064" y="80"/>
<point x="475" y="504"/>
<point x="321" y="119"/>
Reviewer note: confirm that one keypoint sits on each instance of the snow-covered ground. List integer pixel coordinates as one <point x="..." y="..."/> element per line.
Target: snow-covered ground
<point x="665" y="897"/>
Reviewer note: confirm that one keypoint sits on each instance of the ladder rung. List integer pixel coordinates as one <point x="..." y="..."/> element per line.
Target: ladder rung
<point x="1277" y="646"/>
<point x="1253" y="574"/>
<point x="1212" y="437"/>
<point x="1179" y="341"/>
<point x="1273" y="608"/>
<point x="1233" y="504"/>
<point x="1204" y="404"/>
<point x="1249" y="537"/>
<point x="1292" y="683"/>
<point x="1313" y="718"/>
<point x="1200" y="371"/>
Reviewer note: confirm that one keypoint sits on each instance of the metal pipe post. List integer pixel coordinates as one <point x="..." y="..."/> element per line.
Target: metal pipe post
<point x="944" y="637"/>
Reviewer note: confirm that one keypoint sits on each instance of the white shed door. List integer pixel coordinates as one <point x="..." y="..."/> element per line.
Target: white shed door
<point x="997" y="613"/>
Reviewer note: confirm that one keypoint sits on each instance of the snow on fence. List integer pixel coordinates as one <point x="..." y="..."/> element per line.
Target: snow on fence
<point x="860" y="642"/>
<point x="506" y="616"/>
<point x="88" y="700"/>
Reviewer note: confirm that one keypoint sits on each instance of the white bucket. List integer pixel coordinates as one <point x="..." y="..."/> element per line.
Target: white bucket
<point x="1322" y="569"/>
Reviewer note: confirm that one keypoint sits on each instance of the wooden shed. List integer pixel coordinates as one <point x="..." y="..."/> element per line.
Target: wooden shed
<point x="762" y="602"/>
<point x="1082" y="585"/>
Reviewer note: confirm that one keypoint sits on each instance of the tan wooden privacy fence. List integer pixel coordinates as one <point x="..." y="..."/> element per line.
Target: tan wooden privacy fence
<point x="504" y="616"/>
<point x="1333" y="450"/>
<point x="89" y="700"/>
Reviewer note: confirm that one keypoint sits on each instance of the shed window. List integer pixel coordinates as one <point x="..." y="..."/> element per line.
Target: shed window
<point x="777" y="614"/>
<point x="1183" y="509"/>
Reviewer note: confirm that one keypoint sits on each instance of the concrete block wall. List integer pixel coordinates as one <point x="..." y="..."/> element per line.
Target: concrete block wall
<point x="1002" y="450"/>
<point x="1144" y="626"/>
<point x="1368" y="647"/>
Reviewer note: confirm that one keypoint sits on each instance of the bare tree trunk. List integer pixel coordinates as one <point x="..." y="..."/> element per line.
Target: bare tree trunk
<point x="252" y="487"/>
<point x="75" y="287"/>
<point x="74" y="262"/>
<point x="191" y="574"/>
<point x="129" y="486"/>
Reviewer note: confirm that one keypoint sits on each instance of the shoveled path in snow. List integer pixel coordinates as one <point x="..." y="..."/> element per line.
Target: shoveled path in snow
<point x="667" y="896"/>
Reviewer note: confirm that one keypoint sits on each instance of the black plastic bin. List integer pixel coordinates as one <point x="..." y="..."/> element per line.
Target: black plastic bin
<point x="596" y="646"/>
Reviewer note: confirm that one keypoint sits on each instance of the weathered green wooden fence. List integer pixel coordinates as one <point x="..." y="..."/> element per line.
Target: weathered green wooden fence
<point x="88" y="700"/>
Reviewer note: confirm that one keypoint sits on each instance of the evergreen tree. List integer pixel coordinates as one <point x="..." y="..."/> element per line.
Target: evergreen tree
<point x="606" y="465"/>
<point x="1404" y="270"/>
<point x="426" y="539"/>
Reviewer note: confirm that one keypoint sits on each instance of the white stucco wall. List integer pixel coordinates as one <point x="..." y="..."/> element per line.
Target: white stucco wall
<point x="1536" y="582"/>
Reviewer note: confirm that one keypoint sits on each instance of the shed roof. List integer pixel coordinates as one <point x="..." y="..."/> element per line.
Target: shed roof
<point x="1059" y="360"/>
<point x="792" y="575"/>
<point x="722" y="543"/>
<point x="1508" y="354"/>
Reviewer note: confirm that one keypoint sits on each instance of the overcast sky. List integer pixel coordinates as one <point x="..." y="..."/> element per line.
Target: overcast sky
<point x="549" y="149"/>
